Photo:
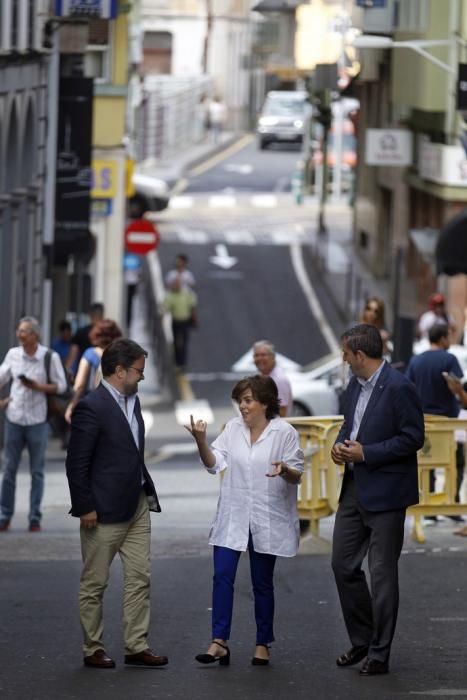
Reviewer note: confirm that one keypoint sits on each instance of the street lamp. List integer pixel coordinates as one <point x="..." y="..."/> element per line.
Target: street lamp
<point x="373" y="41"/>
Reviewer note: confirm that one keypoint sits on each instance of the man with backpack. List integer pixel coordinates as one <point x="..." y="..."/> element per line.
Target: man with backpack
<point x="26" y="416"/>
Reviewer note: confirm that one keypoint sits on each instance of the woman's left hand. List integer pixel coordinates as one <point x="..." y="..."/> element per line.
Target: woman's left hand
<point x="197" y="429"/>
<point x="278" y="469"/>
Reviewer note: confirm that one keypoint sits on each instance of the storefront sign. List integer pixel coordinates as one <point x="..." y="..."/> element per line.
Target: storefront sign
<point x="388" y="147"/>
<point x="105" y="9"/>
<point x="446" y="165"/>
<point x="104" y="179"/>
<point x="101" y="207"/>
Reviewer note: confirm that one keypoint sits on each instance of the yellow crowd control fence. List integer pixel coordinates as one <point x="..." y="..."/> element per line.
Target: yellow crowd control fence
<point x="321" y="482"/>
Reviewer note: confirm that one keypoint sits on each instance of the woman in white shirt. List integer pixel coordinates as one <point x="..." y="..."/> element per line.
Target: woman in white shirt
<point x="256" y="510"/>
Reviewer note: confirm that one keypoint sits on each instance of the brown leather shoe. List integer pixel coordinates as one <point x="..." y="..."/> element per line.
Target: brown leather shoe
<point x="373" y="667"/>
<point x="99" y="660"/>
<point x="145" y="658"/>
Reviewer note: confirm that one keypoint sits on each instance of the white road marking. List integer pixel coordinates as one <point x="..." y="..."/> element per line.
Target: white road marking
<point x="148" y="417"/>
<point x="219" y="157"/>
<point x="217" y="201"/>
<point x="181" y="202"/>
<point x="192" y="236"/>
<point x="240" y="237"/>
<point x="264" y="200"/>
<point x="309" y="292"/>
<point x="241" y="168"/>
<point x="198" y="408"/>
<point x="222" y="257"/>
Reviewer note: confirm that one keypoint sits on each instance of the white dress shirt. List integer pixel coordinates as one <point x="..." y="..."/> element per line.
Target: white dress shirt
<point x="127" y="404"/>
<point x="251" y="501"/>
<point x="27" y="406"/>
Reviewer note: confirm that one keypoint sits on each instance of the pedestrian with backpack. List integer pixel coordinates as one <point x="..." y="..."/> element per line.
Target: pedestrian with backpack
<point x="26" y="416"/>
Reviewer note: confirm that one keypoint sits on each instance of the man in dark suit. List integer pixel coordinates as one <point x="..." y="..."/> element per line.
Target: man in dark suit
<point x="378" y="442"/>
<point x="112" y="494"/>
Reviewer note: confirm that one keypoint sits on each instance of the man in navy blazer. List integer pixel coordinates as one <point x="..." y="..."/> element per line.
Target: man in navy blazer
<point x="112" y="493"/>
<point x="383" y="429"/>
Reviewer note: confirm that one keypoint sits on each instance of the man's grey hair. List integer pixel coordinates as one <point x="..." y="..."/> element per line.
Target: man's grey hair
<point x="264" y="344"/>
<point x="33" y="324"/>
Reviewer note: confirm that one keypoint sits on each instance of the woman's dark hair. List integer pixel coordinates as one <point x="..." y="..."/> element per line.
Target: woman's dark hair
<point x="263" y="389"/>
<point x="103" y="332"/>
<point x="123" y="352"/>
<point x="365" y="338"/>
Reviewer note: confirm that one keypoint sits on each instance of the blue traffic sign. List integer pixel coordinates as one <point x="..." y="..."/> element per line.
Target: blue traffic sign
<point x="105" y="9"/>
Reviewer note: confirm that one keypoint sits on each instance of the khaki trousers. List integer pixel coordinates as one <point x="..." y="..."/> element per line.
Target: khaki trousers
<point x="99" y="546"/>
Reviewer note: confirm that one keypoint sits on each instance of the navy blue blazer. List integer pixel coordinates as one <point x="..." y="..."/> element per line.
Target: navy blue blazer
<point x="103" y="465"/>
<point x="391" y="432"/>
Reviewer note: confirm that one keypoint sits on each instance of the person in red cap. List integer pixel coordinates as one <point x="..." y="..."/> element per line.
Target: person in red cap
<point x="436" y="314"/>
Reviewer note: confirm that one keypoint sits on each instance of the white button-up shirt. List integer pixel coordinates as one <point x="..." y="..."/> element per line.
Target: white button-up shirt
<point x="251" y="501"/>
<point x="27" y="406"/>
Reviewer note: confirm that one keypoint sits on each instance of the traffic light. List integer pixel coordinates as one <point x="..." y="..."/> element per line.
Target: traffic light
<point x="324" y="115"/>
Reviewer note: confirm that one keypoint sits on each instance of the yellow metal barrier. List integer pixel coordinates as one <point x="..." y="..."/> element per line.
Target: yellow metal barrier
<point x="438" y="452"/>
<point x="319" y="490"/>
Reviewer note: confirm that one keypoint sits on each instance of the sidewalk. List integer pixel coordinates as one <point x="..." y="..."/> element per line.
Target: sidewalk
<point x="174" y="169"/>
<point x="338" y="272"/>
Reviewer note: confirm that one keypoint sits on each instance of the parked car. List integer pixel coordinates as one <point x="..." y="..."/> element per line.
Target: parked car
<point x="315" y="388"/>
<point x="282" y="117"/>
<point x="151" y="194"/>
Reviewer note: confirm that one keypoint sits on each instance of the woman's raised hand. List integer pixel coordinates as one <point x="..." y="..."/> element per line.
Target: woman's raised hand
<point x="197" y="429"/>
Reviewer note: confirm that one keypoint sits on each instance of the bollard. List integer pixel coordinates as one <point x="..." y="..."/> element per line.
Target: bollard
<point x="298" y="182"/>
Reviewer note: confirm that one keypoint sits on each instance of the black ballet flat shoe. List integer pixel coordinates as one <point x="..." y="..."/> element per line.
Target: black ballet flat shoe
<point x="223" y="660"/>
<point x="256" y="661"/>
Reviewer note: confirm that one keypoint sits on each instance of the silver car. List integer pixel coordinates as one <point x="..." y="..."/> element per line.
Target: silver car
<point x="282" y="118"/>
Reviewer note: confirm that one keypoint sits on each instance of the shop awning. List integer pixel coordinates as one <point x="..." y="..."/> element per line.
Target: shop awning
<point x="451" y="250"/>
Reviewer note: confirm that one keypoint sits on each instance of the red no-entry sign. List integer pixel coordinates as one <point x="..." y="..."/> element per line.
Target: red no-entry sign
<point x="141" y="236"/>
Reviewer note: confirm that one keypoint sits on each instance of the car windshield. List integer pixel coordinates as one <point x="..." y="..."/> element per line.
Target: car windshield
<point x="284" y="107"/>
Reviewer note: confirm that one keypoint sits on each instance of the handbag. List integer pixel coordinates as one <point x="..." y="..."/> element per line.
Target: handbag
<point x="57" y="403"/>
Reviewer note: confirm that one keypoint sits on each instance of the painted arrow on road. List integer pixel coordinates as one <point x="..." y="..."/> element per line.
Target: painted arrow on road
<point x="222" y="257"/>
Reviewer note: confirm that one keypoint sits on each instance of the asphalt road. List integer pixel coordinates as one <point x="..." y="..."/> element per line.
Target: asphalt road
<point x="250" y="170"/>
<point x="41" y="641"/>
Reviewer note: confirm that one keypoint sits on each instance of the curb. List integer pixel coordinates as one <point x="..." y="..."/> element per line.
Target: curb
<point x="217" y="148"/>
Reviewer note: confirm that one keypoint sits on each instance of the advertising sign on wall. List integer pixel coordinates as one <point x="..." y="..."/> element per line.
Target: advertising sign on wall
<point x="388" y="147"/>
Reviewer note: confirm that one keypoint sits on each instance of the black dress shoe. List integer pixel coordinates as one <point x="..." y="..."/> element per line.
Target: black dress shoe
<point x="352" y="657"/>
<point x="99" y="660"/>
<point x="372" y="667"/>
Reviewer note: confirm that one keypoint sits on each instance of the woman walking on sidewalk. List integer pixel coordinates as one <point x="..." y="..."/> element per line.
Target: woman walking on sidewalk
<point x="256" y="510"/>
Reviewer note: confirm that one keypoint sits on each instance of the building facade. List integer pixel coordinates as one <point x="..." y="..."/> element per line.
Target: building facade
<point x="410" y="190"/>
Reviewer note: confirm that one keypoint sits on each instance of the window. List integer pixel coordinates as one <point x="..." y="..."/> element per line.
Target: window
<point x="31" y="20"/>
<point x="14" y="23"/>
<point x="97" y="56"/>
<point x="410" y="15"/>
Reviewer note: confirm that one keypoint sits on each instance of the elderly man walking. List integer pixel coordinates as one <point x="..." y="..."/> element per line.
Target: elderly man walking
<point x="26" y="416"/>
<point x="264" y="357"/>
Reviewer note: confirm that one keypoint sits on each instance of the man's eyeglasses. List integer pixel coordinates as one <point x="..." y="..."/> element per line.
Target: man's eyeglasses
<point x="141" y="371"/>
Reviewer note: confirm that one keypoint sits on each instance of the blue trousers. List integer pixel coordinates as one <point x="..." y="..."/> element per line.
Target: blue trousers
<point x="17" y="437"/>
<point x="261" y="570"/>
